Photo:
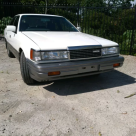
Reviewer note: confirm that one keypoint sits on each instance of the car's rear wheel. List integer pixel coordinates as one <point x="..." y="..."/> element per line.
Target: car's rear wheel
<point x="25" y="70"/>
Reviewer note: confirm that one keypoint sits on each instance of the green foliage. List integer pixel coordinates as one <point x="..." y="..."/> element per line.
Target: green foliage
<point x="50" y="1"/>
<point x="93" y="3"/>
<point x="128" y="40"/>
<point x="117" y="27"/>
<point x="127" y="16"/>
<point x="109" y="25"/>
<point x="119" y="3"/>
<point x="3" y="23"/>
<point x="112" y="23"/>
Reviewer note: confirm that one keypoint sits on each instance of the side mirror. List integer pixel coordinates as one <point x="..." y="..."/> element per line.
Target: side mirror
<point x="79" y="28"/>
<point x="11" y="28"/>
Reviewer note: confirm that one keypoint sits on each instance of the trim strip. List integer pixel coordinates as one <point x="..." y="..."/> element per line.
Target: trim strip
<point x="84" y="47"/>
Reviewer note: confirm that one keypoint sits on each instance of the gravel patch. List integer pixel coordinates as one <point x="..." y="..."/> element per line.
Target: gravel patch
<point x="86" y="106"/>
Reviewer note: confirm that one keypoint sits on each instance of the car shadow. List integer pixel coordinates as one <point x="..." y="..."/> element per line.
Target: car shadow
<point x="88" y="84"/>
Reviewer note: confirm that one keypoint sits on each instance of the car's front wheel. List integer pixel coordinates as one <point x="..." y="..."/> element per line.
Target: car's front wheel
<point x="25" y="70"/>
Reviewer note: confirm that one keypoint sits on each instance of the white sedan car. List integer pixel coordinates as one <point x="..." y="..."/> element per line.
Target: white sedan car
<point x="49" y="47"/>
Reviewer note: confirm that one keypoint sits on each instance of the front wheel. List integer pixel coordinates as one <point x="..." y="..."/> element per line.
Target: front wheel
<point x="97" y="74"/>
<point x="24" y="70"/>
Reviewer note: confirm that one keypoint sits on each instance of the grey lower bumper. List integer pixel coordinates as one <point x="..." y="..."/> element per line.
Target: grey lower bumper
<point x="40" y="71"/>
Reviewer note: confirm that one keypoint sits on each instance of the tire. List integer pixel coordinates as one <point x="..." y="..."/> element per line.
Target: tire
<point x="25" y="70"/>
<point x="10" y="54"/>
<point x="96" y="75"/>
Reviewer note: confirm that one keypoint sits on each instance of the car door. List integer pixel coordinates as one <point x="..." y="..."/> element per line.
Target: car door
<point x="14" y="35"/>
<point x="8" y="33"/>
<point x="14" y="38"/>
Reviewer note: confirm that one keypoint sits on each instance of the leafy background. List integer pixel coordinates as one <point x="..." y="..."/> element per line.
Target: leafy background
<point x="112" y="19"/>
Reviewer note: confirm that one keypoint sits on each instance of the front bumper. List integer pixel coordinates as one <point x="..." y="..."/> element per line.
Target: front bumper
<point x="39" y="72"/>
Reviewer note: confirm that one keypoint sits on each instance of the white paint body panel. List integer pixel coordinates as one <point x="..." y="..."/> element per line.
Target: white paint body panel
<point x="62" y="40"/>
<point x="52" y="40"/>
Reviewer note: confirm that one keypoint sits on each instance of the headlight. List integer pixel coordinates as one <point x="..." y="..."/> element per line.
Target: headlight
<point x="54" y="55"/>
<point x="51" y="55"/>
<point x="110" y="50"/>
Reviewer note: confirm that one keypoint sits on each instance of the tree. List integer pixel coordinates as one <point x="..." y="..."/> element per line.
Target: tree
<point x="93" y="3"/>
<point x="119" y="3"/>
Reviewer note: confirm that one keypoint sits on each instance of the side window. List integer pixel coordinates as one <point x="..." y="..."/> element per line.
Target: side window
<point x="12" y="21"/>
<point x="16" y="23"/>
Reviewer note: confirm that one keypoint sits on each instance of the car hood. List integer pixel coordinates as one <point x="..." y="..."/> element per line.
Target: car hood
<point x="63" y="40"/>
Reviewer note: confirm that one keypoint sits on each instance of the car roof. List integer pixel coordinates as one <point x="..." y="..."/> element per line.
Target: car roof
<point x="39" y="15"/>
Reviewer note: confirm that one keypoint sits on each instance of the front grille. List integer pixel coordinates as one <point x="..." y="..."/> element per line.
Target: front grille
<point x="85" y="53"/>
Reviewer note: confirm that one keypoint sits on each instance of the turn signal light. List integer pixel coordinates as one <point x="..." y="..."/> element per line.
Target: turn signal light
<point x="31" y="54"/>
<point x="116" y="65"/>
<point x="54" y="73"/>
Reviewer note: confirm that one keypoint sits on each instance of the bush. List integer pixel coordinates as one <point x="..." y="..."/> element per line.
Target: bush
<point x="127" y="16"/>
<point x="116" y="27"/>
<point x="108" y="24"/>
<point x="3" y="23"/>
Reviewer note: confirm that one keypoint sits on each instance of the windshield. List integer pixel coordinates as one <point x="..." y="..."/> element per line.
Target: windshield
<point x="45" y="23"/>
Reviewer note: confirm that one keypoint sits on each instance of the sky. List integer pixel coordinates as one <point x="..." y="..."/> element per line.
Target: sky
<point x="134" y="2"/>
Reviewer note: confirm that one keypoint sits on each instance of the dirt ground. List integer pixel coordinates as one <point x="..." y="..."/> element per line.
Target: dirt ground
<point x="86" y="106"/>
